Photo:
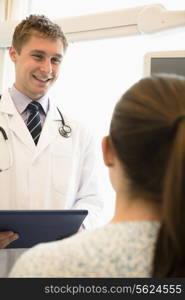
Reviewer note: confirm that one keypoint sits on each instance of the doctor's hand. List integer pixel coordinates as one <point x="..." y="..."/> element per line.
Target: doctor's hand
<point x="6" y="237"/>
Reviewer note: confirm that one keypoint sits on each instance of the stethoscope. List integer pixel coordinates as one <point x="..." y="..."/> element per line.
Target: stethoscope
<point x="64" y="130"/>
<point x="7" y="151"/>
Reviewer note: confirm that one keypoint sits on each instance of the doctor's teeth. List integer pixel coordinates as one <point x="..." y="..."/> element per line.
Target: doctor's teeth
<point x="42" y="79"/>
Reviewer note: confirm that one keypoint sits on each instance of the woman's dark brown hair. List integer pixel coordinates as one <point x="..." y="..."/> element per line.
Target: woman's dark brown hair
<point x="148" y="134"/>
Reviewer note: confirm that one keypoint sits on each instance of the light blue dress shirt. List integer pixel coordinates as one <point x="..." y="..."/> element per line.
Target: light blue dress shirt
<point x="21" y="102"/>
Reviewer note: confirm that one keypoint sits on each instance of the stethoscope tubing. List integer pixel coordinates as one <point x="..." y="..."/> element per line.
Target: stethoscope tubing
<point x="3" y="133"/>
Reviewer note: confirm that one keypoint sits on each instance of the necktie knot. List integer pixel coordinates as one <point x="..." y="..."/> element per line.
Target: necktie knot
<point x="34" y="106"/>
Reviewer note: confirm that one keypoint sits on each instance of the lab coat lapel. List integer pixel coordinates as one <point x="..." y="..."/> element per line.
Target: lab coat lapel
<point x="49" y="130"/>
<point x="15" y="121"/>
<point x="18" y="126"/>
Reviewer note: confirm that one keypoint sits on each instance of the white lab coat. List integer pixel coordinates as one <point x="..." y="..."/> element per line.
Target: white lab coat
<point x="57" y="174"/>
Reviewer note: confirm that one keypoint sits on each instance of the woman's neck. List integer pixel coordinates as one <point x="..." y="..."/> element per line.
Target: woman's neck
<point x="135" y="210"/>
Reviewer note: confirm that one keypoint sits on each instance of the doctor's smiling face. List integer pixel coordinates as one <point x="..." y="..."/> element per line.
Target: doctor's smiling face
<point x="37" y="64"/>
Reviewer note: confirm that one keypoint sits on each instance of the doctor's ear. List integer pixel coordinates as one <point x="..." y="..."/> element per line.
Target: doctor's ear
<point x="108" y="152"/>
<point x="13" y="53"/>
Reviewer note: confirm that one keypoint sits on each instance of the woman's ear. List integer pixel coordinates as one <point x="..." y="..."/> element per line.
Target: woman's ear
<point x="108" y="152"/>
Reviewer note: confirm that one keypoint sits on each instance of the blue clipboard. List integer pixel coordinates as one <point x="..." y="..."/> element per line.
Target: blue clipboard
<point x="38" y="226"/>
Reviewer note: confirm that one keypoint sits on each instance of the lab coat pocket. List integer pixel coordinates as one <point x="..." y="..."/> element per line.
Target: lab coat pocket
<point x="61" y="172"/>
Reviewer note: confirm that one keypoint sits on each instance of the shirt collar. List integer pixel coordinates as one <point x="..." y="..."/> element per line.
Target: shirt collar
<point x="21" y="101"/>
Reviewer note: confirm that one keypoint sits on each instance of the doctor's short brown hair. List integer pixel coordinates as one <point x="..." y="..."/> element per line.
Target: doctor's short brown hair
<point x="37" y="24"/>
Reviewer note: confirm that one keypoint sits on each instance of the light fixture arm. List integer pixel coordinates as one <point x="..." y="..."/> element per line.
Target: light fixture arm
<point x="137" y="20"/>
<point x="156" y="18"/>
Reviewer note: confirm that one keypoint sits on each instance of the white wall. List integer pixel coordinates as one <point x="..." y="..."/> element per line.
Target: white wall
<point x="68" y="8"/>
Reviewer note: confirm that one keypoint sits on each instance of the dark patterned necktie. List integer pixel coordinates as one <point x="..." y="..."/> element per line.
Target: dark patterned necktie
<point x="34" y="122"/>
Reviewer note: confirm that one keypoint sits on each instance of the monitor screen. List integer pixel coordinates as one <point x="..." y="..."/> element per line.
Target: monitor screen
<point x="164" y="62"/>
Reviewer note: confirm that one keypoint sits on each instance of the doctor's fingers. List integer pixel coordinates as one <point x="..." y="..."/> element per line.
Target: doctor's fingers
<point x="6" y="234"/>
<point x="4" y="243"/>
<point x="6" y="238"/>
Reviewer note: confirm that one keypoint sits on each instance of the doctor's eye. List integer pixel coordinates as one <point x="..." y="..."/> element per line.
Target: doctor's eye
<point x="56" y="60"/>
<point x="37" y="56"/>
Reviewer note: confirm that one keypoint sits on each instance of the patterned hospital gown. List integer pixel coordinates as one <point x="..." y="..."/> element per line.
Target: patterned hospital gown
<point x="115" y="250"/>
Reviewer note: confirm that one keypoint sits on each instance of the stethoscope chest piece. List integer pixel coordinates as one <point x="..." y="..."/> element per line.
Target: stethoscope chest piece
<point x="65" y="131"/>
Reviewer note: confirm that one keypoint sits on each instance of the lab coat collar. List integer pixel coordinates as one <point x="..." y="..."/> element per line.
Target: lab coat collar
<point x="6" y="104"/>
<point x="15" y="122"/>
<point x="17" y="125"/>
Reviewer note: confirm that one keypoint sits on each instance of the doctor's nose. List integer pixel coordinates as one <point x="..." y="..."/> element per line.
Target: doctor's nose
<point x="46" y="67"/>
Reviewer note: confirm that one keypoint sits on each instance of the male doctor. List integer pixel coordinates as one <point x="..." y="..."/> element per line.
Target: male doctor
<point x="48" y="170"/>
